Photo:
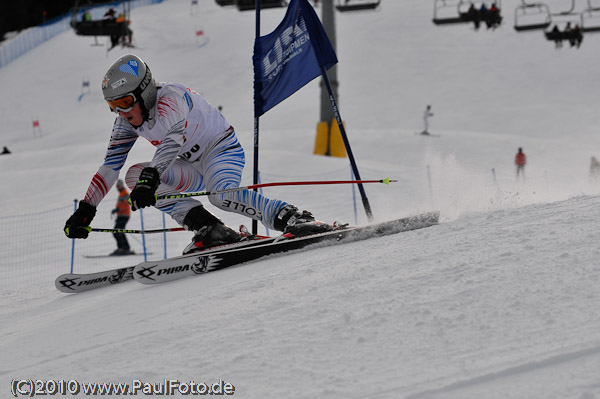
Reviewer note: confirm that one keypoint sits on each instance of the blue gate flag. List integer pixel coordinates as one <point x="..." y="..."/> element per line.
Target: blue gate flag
<point x="290" y="56"/>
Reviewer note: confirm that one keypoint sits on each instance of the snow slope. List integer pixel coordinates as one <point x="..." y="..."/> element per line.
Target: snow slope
<point x="498" y="301"/>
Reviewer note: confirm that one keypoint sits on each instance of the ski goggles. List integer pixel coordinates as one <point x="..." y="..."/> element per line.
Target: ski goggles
<point x="122" y="104"/>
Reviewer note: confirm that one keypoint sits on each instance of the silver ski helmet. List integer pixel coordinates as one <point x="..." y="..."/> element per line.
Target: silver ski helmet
<point x="129" y="76"/>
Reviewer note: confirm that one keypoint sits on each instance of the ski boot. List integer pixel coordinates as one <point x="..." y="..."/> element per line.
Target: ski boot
<point x="209" y="230"/>
<point x="297" y="224"/>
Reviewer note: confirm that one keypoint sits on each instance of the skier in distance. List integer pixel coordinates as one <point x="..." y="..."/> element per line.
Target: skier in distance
<point x="426" y="115"/>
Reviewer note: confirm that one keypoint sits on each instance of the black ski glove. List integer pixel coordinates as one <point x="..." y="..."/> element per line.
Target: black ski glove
<point x="78" y="224"/>
<point x="142" y="194"/>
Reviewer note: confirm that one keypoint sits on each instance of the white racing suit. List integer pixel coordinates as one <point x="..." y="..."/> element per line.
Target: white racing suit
<point x="196" y="150"/>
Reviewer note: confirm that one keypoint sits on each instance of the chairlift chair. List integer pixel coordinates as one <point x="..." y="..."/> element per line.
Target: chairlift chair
<point x="224" y="2"/>
<point x="560" y="20"/>
<point x="357" y="5"/>
<point x="98" y="27"/>
<point x="562" y="35"/>
<point x="463" y="14"/>
<point x="488" y="17"/>
<point x="590" y="19"/>
<point x="446" y="12"/>
<point x="532" y="16"/>
<point x="247" y="5"/>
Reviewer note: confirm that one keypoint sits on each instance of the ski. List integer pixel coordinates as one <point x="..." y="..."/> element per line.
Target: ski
<point x="71" y="283"/>
<point x="207" y="261"/>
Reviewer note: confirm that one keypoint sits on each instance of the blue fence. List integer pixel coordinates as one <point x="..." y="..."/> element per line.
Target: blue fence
<point x="36" y="251"/>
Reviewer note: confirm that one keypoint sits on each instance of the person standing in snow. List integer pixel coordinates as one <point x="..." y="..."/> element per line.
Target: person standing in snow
<point x="594" y="170"/>
<point x="196" y="150"/>
<point x="426" y="115"/>
<point x="122" y="210"/>
<point x="520" y="162"/>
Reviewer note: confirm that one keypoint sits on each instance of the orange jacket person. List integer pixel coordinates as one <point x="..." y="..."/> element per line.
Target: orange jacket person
<point x="123" y="211"/>
<point x="520" y="161"/>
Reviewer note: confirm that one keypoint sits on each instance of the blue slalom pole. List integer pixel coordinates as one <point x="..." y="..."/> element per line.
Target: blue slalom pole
<point x="143" y="236"/>
<point x="164" y="234"/>
<point x="73" y="242"/>
<point x="260" y="190"/>
<point x="256" y="119"/>
<point x="354" y="199"/>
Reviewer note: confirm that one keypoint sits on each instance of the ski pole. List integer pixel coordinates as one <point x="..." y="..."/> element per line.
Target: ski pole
<point x="250" y="187"/>
<point x="126" y="231"/>
<point x="253" y="186"/>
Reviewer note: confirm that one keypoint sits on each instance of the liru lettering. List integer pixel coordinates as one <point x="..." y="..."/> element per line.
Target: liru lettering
<point x="288" y="43"/>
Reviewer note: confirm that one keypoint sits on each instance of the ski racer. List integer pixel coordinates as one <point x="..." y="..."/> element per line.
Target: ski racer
<point x="196" y="150"/>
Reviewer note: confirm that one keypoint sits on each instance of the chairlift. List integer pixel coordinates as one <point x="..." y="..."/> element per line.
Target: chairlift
<point x="224" y="2"/>
<point x="475" y="15"/>
<point x="569" y="12"/>
<point x="84" y="27"/>
<point x="590" y="18"/>
<point x="247" y="5"/>
<point x="558" y="34"/>
<point x="560" y="21"/>
<point x="443" y="13"/>
<point x="357" y="5"/>
<point x="447" y="12"/>
<point x="532" y="16"/>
